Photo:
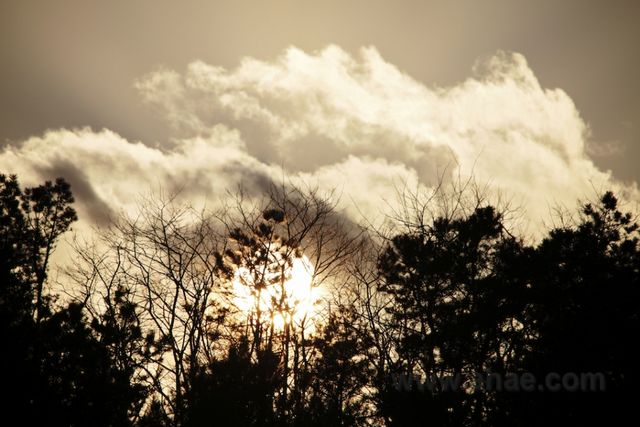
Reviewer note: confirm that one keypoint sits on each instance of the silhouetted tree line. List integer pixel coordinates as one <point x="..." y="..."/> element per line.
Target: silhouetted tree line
<point x="153" y="334"/>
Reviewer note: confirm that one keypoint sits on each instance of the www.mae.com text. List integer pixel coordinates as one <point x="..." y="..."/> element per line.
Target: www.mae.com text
<point x="508" y="382"/>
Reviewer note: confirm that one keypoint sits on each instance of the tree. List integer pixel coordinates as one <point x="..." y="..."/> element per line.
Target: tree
<point x="193" y="318"/>
<point x="148" y="282"/>
<point x="57" y="371"/>
<point x="235" y="390"/>
<point x="457" y="310"/>
<point x="585" y="287"/>
<point x="266" y="241"/>
<point x="340" y="374"/>
<point x="30" y="224"/>
<point x="180" y="271"/>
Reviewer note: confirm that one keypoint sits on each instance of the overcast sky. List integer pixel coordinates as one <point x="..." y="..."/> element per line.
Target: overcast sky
<point x="539" y="99"/>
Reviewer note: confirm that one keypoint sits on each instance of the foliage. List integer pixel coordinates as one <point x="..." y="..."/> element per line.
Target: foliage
<point x="154" y="336"/>
<point x="58" y="370"/>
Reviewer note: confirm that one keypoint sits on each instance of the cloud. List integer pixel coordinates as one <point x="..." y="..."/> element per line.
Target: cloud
<point x="110" y="174"/>
<point x="606" y="148"/>
<point x="367" y="186"/>
<point x="355" y="122"/>
<point x="95" y="207"/>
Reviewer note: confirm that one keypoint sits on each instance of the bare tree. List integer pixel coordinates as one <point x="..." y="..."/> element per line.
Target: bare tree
<point x="165" y="261"/>
<point x="266" y="239"/>
<point x="182" y="271"/>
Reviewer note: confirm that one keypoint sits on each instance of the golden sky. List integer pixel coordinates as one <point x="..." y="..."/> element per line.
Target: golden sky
<point x="539" y="99"/>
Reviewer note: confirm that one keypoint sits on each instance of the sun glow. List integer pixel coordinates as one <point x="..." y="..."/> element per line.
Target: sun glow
<point x="291" y="300"/>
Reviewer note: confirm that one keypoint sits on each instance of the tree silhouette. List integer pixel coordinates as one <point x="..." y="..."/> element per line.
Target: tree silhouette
<point x="290" y="226"/>
<point x="56" y="370"/>
<point x="456" y="310"/>
<point x="339" y="375"/>
<point x="236" y="390"/>
<point x="583" y="309"/>
<point x="155" y="336"/>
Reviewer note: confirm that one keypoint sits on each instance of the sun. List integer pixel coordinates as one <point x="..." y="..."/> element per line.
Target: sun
<point x="291" y="300"/>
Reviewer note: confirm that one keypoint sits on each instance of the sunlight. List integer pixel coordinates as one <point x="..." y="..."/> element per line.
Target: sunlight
<point x="297" y="305"/>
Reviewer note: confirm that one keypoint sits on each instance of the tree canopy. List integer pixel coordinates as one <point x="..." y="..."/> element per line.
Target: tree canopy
<point x="405" y="325"/>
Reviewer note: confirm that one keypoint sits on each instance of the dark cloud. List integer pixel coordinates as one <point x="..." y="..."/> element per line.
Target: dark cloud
<point x="96" y="209"/>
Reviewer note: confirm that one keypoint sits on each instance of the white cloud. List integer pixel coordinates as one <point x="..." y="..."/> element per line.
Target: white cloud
<point x="353" y="122"/>
<point x="117" y="173"/>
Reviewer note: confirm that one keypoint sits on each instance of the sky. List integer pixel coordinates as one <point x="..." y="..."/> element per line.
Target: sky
<point x="538" y="100"/>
